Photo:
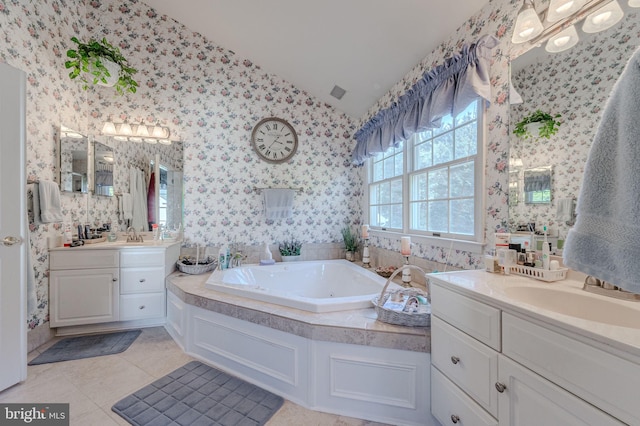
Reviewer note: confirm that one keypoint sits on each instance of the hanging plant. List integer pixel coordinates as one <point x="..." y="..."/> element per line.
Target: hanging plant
<point x="99" y="62"/>
<point x="546" y="125"/>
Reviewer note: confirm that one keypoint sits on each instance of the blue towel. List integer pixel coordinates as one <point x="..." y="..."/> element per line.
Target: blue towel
<point x="605" y="241"/>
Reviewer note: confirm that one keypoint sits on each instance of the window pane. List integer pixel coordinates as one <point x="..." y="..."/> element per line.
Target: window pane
<point x="422" y="155"/>
<point x="399" y="165"/>
<point x="419" y="216"/>
<point x="443" y="148"/>
<point x="438" y="184"/>
<point x="378" y="173"/>
<point x="385" y="193"/>
<point x="438" y="216"/>
<point x="384" y="216"/>
<point x="462" y="216"/>
<point x="396" y="216"/>
<point x="462" y="180"/>
<point x="396" y="191"/>
<point x="470" y="113"/>
<point x="373" y="194"/>
<point x="424" y="135"/>
<point x="373" y="216"/>
<point x="419" y="187"/>
<point x="466" y="140"/>
<point x="446" y="124"/>
<point x="389" y="167"/>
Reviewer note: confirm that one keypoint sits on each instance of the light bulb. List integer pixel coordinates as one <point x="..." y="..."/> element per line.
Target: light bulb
<point x="564" y="40"/>
<point x="151" y="141"/>
<point x="125" y="129"/>
<point x="158" y="132"/>
<point x="164" y="141"/>
<point x="135" y="139"/>
<point x="109" y="128"/>
<point x="142" y="131"/>
<point x="559" y="9"/>
<point x="603" y="18"/>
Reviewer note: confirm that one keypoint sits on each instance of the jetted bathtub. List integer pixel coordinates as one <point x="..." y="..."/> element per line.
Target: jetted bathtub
<point x="314" y="286"/>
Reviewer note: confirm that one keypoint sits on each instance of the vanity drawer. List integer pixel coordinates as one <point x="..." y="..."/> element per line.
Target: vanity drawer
<point x="83" y="259"/>
<point x="141" y="257"/>
<point x="600" y="378"/>
<point x="141" y="280"/>
<point x="478" y="320"/>
<point x="449" y="403"/>
<point x="140" y="306"/>
<point x="468" y="363"/>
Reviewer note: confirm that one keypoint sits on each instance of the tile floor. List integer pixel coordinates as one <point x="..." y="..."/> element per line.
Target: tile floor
<point x="92" y="385"/>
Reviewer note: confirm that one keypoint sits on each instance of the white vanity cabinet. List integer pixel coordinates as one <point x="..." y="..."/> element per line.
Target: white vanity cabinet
<point x="98" y="289"/>
<point x="493" y="367"/>
<point x="84" y="287"/>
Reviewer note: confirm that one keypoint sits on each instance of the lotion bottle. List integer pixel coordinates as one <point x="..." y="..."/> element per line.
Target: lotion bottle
<point x="546" y="252"/>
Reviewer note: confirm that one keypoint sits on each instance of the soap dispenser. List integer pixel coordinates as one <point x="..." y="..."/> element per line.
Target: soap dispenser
<point x="266" y="258"/>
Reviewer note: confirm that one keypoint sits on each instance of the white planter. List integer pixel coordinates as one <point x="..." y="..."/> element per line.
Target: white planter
<point x="534" y="128"/>
<point x="291" y="258"/>
<point x="114" y="72"/>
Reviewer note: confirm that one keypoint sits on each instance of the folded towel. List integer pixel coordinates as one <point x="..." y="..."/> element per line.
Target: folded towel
<point x="50" y="207"/>
<point x="127" y="206"/>
<point x="604" y="241"/>
<point x="564" y="212"/>
<point x="33" y="204"/>
<point x="278" y="203"/>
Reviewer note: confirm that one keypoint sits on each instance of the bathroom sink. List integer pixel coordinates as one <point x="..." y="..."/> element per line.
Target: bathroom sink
<point x="585" y="306"/>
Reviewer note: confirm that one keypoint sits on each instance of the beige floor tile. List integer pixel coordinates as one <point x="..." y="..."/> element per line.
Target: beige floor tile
<point x="97" y="417"/>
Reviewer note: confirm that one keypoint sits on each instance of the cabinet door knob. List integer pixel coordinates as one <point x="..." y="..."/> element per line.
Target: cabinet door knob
<point x="141" y="307"/>
<point x="500" y="387"/>
<point x="455" y="359"/>
<point x="454" y="418"/>
<point x="114" y="279"/>
<point x="142" y="280"/>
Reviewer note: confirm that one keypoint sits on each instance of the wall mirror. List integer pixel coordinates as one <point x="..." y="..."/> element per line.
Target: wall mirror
<point x="103" y="163"/>
<point x="73" y="147"/>
<point x="537" y="185"/>
<point x="575" y="83"/>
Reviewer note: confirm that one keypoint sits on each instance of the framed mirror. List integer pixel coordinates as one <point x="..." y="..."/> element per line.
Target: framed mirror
<point x="103" y="160"/>
<point x="73" y="147"/>
<point x="537" y="185"/>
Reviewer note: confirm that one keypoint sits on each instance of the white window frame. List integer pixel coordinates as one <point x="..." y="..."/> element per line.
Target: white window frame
<point x="472" y="243"/>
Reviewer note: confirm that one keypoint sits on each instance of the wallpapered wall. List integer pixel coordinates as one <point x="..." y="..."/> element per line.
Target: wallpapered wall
<point x="575" y="84"/>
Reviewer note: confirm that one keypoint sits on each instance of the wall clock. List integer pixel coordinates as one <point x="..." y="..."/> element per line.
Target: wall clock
<point x="274" y="140"/>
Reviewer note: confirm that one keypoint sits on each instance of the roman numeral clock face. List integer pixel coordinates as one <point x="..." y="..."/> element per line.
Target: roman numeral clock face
<point x="274" y="140"/>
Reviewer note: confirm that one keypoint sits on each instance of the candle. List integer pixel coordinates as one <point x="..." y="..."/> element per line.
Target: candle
<point x="405" y="246"/>
<point x="365" y="231"/>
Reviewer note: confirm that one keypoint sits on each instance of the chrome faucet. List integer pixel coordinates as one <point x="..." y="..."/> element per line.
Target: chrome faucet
<point x="135" y="238"/>
<point x="598" y="286"/>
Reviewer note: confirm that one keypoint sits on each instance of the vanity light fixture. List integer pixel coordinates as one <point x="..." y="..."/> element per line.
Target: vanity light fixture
<point x="528" y="25"/>
<point x="564" y="40"/>
<point x="137" y="132"/>
<point x="603" y="18"/>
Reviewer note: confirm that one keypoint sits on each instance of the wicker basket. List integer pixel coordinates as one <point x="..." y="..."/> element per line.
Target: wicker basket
<point x="390" y="316"/>
<point x="196" y="269"/>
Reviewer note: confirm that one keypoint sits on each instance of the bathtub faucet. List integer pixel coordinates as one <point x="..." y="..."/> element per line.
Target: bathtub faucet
<point x="236" y="260"/>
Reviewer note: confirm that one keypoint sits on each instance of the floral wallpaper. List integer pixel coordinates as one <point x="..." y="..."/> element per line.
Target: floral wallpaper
<point x="575" y="84"/>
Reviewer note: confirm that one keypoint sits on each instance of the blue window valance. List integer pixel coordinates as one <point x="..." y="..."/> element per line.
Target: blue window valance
<point x="447" y="89"/>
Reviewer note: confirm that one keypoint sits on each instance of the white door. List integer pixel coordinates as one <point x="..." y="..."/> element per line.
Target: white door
<point x="13" y="265"/>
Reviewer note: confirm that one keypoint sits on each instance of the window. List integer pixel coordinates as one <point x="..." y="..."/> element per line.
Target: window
<point x="431" y="184"/>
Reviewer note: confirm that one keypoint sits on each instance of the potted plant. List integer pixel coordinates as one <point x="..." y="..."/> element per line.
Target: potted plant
<point x="99" y="62"/>
<point x="290" y="250"/>
<point x="351" y="243"/>
<point x="546" y="125"/>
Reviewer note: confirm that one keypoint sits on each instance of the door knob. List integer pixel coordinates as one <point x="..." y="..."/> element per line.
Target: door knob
<point x="500" y="387"/>
<point x="9" y="241"/>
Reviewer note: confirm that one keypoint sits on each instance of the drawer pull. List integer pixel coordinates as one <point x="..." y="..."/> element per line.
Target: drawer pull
<point x="500" y="387"/>
<point x="114" y="279"/>
<point x="142" y="307"/>
<point x="454" y="418"/>
<point x="142" y="280"/>
<point x="455" y="360"/>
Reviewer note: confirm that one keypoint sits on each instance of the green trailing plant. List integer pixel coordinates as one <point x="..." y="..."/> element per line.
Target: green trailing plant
<point x="290" y="248"/>
<point x="351" y="239"/>
<point x="87" y="62"/>
<point x="548" y="125"/>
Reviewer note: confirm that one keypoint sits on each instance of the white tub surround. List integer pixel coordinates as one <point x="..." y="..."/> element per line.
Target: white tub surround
<point x="505" y="346"/>
<point x="314" y="286"/>
<point x="109" y="286"/>
<point x="339" y="362"/>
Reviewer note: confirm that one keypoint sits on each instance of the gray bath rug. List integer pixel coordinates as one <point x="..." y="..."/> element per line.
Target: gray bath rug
<point x="196" y="394"/>
<point x="87" y="347"/>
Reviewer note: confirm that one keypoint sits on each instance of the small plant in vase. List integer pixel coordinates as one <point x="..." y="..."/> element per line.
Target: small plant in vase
<point x="546" y="125"/>
<point x="290" y="250"/>
<point x="99" y="62"/>
<point x="351" y="243"/>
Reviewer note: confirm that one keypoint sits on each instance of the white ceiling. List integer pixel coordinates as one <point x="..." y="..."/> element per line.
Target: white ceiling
<point x="363" y="46"/>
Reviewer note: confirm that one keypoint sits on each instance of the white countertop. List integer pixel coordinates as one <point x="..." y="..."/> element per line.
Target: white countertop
<point x="493" y="289"/>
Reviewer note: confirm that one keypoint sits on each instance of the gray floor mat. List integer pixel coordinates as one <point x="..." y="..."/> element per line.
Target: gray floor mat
<point x="196" y="394"/>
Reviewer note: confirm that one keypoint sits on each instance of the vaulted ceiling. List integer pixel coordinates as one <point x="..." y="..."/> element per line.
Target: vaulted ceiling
<point x="362" y="46"/>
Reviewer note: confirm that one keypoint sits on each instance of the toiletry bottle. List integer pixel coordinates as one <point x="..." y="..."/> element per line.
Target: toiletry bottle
<point x="522" y="257"/>
<point x="222" y="257"/>
<point x="546" y="252"/>
<point x="68" y="236"/>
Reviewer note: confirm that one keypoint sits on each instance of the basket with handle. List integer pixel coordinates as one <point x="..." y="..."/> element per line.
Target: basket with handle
<point x="406" y="318"/>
